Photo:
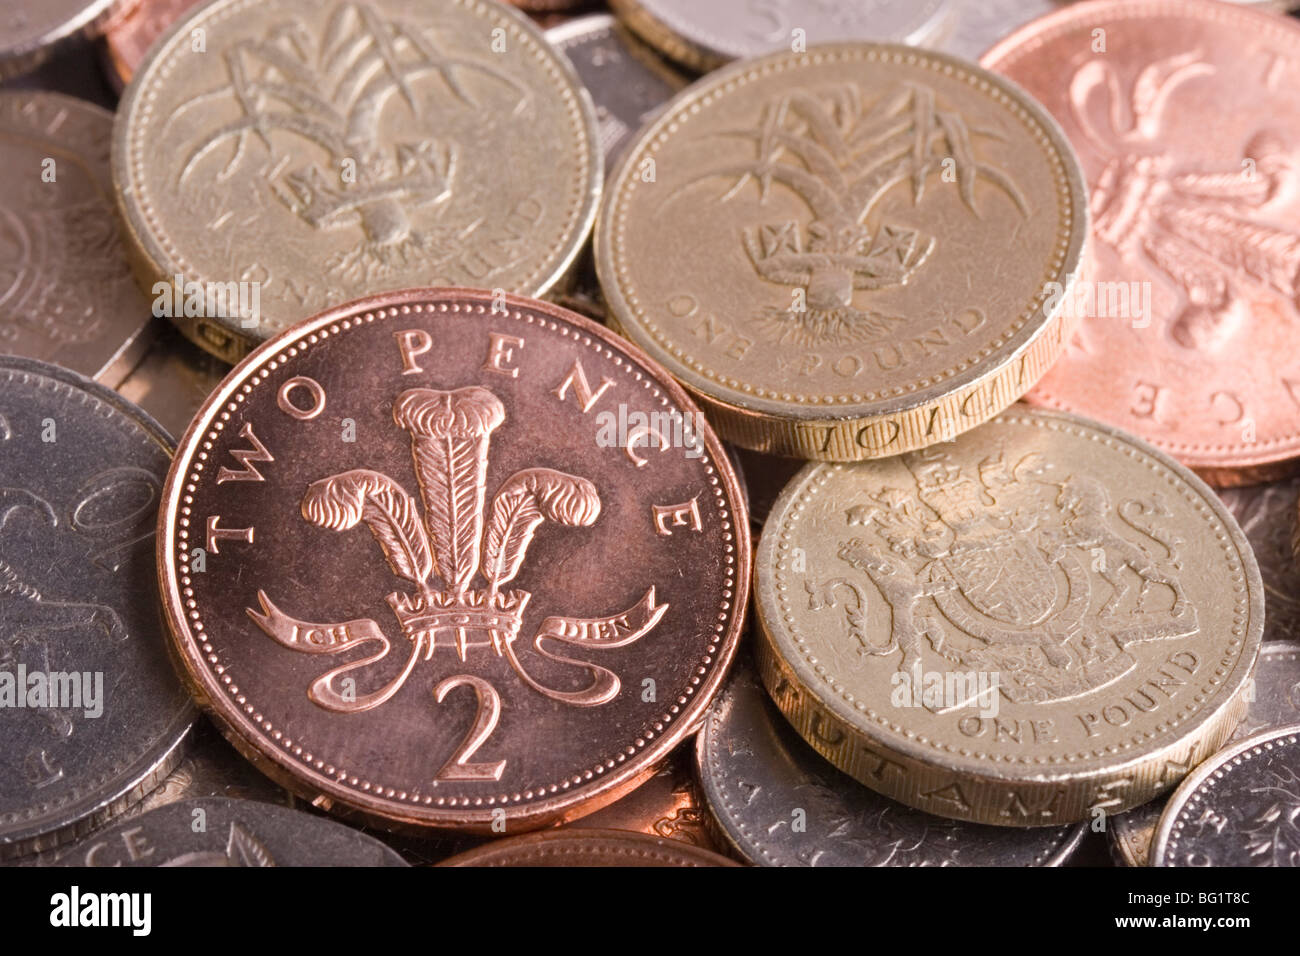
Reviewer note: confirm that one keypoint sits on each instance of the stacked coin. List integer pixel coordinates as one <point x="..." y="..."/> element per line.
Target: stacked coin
<point x="560" y="330"/>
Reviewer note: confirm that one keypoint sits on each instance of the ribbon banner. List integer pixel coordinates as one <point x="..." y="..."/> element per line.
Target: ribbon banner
<point x="616" y="630"/>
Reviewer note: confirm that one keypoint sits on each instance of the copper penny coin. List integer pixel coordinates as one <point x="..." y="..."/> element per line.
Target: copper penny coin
<point x="555" y="585"/>
<point x="579" y="847"/>
<point x="127" y="39"/>
<point x="1190" y="323"/>
<point x="667" y="805"/>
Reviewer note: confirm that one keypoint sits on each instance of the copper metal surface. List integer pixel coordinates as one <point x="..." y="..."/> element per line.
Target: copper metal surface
<point x="1187" y="125"/>
<point x="128" y="38"/>
<point x="628" y="607"/>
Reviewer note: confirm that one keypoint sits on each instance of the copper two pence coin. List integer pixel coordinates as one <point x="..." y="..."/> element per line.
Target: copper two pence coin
<point x="1185" y="118"/>
<point x="579" y="847"/>
<point x="450" y="558"/>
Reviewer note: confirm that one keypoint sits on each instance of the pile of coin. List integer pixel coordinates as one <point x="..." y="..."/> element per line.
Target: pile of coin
<point x="799" y="433"/>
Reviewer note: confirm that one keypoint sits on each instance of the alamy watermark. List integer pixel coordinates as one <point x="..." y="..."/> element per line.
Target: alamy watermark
<point x="53" y="690"/>
<point x="189" y="298"/>
<point x="1102" y="300"/>
<point x="635" y="429"/>
<point x="943" y="691"/>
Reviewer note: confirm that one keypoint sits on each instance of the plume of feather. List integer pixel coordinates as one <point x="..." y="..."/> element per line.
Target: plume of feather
<point x="528" y="497"/>
<point x="340" y="502"/>
<point x="450" y="432"/>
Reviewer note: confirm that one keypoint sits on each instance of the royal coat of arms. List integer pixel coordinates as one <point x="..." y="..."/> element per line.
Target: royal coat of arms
<point x="1010" y="568"/>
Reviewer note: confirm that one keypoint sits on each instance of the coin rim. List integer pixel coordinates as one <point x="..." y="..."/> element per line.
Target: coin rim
<point x="986" y="783"/>
<point x="794" y="428"/>
<point x="324" y="791"/>
<point x="1161" y="843"/>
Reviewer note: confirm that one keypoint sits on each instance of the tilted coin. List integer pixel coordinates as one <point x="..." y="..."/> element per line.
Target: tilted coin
<point x="434" y="677"/>
<point x="173" y="380"/>
<point x="706" y="35"/>
<point x="1044" y="619"/>
<point x="626" y="79"/>
<point x="583" y="847"/>
<point x="780" y="804"/>
<point x="127" y="39"/>
<point x="1240" y="808"/>
<point x="317" y="152"/>
<point x="1267" y="513"/>
<point x="31" y="29"/>
<point x="66" y="292"/>
<point x="666" y="805"/>
<point x="1190" y="319"/>
<point x="1274" y="702"/>
<point x="978" y="24"/>
<point x="846" y="254"/>
<point x="91" y="715"/>
<point x="221" y="832"/>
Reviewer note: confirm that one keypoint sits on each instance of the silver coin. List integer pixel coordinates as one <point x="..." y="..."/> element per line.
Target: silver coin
<point x="704" y="35"/>
<point x="92" y="716"/>
<point x="31" y="29"/>
<point x="66" y="291"/>
<point x="1239" y="808"/>
<point x="1275" y="702"/>
<point x="1267" y="513"/>
<point x="978" y="24"/>
<point x="626" y="79"/>
<point x="779" y="803"/>
<point x="221" y="832"/>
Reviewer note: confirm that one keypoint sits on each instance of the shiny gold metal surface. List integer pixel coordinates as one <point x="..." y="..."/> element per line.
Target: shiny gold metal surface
<point x="848" y="253"/>
<point x="1040" y="622"/>
<point x="310" y="153"/>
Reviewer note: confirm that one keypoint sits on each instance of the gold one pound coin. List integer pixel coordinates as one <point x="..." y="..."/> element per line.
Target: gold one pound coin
<point x="1041" y="622"/>
<point x="277" y="157"/>
<point x="846" y="253"/>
